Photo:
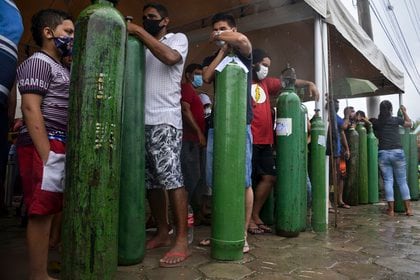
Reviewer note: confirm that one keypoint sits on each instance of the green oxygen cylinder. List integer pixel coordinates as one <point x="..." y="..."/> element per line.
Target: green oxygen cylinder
<point x="228" y="211"/>
<point x="319" y="189"/>
<point x="351" y="189"/>
<point x="90" y="223"/>
<point x="404" y="136"/>
<point x="131" y="224"/>
<point x="303" y="168"/>
<point x="363" y="164"/>
<point x="288" y="196"/>
<point x="413" y="181"/>
<point x="373" y="184"/>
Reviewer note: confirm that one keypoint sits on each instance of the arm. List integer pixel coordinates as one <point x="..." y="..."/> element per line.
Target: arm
<point x="366" y="121"/>
<point x="407" y="121"/>
<point x="208" y="72"/>
<point x="31" y="109"/>
<point x="161" y="51"/>
<point x="345" y="144"/>
<point x="12" y="105"/>
<point x="189" y="118"/>
<point x="235" y="39"/>
<point x="312" y="89"/>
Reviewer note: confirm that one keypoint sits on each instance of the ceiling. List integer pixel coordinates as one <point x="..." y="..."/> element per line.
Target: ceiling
<point x="284" y="28"/>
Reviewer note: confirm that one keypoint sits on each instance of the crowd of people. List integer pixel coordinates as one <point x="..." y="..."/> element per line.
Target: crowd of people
<point x="179" y="128"/>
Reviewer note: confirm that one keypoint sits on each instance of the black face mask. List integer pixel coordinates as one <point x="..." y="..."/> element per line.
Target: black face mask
<point x="152" y="26"/>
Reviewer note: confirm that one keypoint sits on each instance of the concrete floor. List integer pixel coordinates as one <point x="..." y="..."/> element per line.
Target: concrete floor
<point x="367" y="244"/>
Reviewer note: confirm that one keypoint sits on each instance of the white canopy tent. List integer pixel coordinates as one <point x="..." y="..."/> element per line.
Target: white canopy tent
<point x="317" y="37"/>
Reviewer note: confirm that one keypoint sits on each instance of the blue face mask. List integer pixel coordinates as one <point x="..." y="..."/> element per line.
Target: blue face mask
<point x="198" y="81"/>
<point x="64" y="45"/>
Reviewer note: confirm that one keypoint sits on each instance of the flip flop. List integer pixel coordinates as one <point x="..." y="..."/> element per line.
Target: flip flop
<point x="331" y="210"/>
<point x="343" y="205"/>
<point x="265" y="228"/>
<point x="255" y="230"/>
<point x="204" y="242"/>
<point x="182" y="256"/>
<point x="246" y="247"/>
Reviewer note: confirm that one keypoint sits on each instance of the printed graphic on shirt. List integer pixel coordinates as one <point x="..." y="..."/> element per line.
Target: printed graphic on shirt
<point x="258" y="94"/>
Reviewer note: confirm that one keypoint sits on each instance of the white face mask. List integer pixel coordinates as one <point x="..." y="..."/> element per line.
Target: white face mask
<point x="207" y="112"/>
<point x="262" y="73"/>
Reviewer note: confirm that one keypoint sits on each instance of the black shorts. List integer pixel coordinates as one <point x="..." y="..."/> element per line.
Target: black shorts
<point x="263" y="162"/>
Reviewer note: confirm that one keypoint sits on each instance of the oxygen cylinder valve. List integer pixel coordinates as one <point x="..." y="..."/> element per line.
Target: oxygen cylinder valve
<point x="288" y="77"/>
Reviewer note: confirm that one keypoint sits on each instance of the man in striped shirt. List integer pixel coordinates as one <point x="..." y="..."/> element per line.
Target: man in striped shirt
<point x="165" y="57"/>
<point x="44" y="82"/>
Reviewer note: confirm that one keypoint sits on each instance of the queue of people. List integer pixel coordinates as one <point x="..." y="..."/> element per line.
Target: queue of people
<point x="179" y="129"/>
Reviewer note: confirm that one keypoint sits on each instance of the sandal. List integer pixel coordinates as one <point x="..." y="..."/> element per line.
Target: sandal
<point x="265" y="228"/>
<point x="332" y="211"/>
<point x="205" y="242"/>
<point x="343" y="205"/>
<point x="255" y="230"/>
<point x="246" y="247"/>
<point x="179" y="258"/>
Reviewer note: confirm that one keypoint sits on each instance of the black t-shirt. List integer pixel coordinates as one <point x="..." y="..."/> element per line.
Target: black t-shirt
<point x="387" y="132"/>
<point x="247" y="61"/>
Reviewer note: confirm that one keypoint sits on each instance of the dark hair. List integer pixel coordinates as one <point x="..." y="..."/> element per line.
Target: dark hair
<point x="163" y="12"/>
<point x="258" y="55"/>
<point x="385" y="108"/>
<point x="348" y="108"/>
<point x="47" y="18"/>
<point x="193" y="66"/>
<point x="361" y="113"/>
<point x="336" y="104"/>
<point x="224" y="17"/>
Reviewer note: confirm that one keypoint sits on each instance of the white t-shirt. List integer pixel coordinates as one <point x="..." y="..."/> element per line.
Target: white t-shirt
<point x="163" y="84"/>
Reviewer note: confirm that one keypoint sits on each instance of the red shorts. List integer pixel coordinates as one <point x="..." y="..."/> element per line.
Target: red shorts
<point x="41" y="200"/>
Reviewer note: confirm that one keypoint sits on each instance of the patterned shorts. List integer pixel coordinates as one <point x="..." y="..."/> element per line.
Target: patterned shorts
<point x="163" y="153"/>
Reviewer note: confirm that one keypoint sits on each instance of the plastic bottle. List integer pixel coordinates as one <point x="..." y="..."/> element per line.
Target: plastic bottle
<point x="190" y="220"/>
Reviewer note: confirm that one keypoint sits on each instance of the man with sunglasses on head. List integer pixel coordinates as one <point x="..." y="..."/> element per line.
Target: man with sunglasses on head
<point x="165" y="58"/>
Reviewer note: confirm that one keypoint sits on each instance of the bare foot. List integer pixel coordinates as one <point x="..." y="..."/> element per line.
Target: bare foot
<point x="157" y="242"/>
<point x="390" y="213"/>
<point x="409" y="213"/>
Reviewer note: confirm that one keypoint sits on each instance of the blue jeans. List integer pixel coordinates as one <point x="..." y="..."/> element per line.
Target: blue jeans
<point x="248" y="160"/>
<point x="392" y="163"/>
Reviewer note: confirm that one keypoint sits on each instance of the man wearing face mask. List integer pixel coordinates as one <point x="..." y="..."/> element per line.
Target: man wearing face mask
<point x="193" y="128"/>
<point x="165" y="57"/>
<point x="229" y="40"/>
<point x="43" y="82"/>
<point x="262" y="132"/>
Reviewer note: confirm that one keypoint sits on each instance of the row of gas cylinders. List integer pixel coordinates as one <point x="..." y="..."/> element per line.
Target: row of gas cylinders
<point x="104" y="207"/>
<point x="362" y="170"/>
<point x="409" y="143"/>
